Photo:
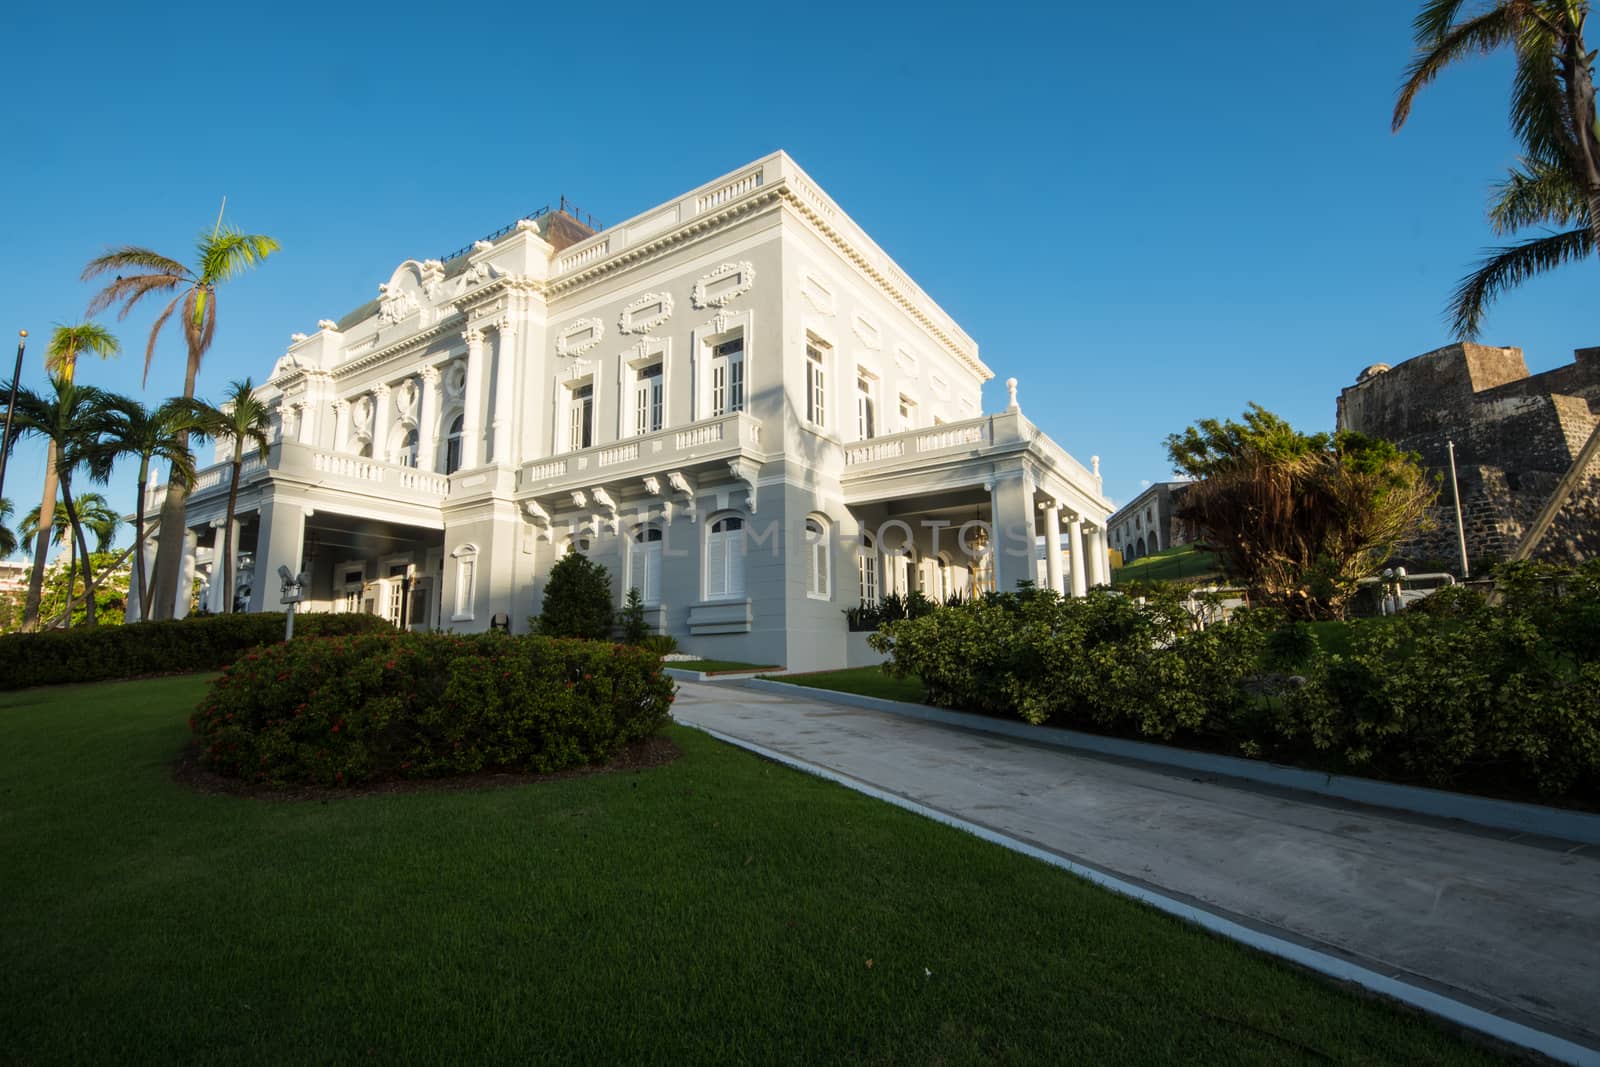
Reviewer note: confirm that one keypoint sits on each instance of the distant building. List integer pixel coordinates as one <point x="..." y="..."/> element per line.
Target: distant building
<point x="14" y="576"/>
<point x="1515" y="435"/>
<point x="1149" y="523"/>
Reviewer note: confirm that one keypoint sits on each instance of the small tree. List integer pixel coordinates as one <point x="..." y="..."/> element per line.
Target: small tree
<point x="631" y="618"/>
<point x="577" y="599"/>
<point x="1300" y="517"/>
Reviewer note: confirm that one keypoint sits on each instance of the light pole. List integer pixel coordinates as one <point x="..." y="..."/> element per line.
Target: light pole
<point x="1455" y="492"/>
<point x="11" y="406"/>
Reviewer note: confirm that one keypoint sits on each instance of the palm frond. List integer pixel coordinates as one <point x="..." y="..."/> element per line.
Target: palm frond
<point x="1506" y="268"/>
<point x="155" y="331"/>
<point x="1537" y="191"/>
<point x="131" y="289"/>
<point x="229" y="253"/>
<point x="67" y="343"/>
<point x="1538" y="112"/>
<point x="131" y="257"/>
<point x="1479" y="35"/>
<point x="1434" y="20"/>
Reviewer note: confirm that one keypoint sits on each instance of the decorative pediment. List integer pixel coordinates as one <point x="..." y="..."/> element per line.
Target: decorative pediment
<point x="866" y="331"/>
<point x="580" y="336"/>
<point x="646" y="313"/>
<point x="399" y="297"/>
<point x="906" y="360"/>
<point x="724" y="285"/>
<point x="818" y="293"/>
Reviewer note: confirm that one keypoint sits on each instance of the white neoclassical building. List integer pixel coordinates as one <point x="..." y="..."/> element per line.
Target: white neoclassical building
<point x="735" y="401"/>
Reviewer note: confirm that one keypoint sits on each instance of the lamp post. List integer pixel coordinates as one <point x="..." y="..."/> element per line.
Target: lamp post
<point x="1455" y="493"/>
<point x="11" y="406"/>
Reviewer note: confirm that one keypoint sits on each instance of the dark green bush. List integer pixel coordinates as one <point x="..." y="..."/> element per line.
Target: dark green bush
<point x="1453" y="693"/>
<point x="337" y="711"/>
<point x="631" y="619"/>
<point x="577" y="600"/>
<point x="198" y="643"/>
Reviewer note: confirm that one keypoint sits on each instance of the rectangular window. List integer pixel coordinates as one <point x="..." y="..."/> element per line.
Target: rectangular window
<point x="908" y="413"/>
<point x="869" y="575"/>
<point x="727" y="377"/>
<point x="816" y="384"/>
<point x="866" y="406"/>
<point x="649" y="399"/>
<point x="725" y="552"/>
<point x="580" y="426"/>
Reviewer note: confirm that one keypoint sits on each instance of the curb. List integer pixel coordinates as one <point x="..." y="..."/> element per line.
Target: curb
<point x="1437" y="1004"/>
<point x="683" y="674"/>
<point x="1487" y="812"/>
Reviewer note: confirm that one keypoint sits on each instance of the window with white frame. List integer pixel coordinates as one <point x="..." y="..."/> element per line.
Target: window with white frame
<point x="727" y="377"/>
<point x="816" y="382"/>
<point x="867" y="570"/>
<point x="817" y="560"/>
<point x="725" y="552"/>
<point x="908" y="413"/>
<point x="644" y="564"/>
<point x="580" y="416"/>
<point x="649" y="398"/>
<point x="866" y="405"/>
<point x="408" y="448"/>
<point x="466" y="581"/>
<point x="452" y="445"/>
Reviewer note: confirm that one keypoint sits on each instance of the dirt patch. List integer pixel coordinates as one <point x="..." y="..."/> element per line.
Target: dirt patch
<point x="187" y="770"/>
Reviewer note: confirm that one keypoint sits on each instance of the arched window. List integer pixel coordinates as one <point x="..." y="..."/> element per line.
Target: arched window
<point x="452" y="445"/>
<point x="725" y="551"/>
<point x="644" y="564"/>
<point x="867" y="568"/>
<point x="1138" y="548"/>
<point x="408" y="448"/>
<point x="817" y="560"/>
<point x="364" y="448"/>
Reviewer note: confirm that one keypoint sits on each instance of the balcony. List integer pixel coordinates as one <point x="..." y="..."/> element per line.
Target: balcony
<point x="725" y="437"/>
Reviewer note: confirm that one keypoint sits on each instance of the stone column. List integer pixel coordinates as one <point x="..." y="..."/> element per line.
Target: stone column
<point x="1099" y="565"/>
<point x="180" y="604"/>
<point x="1013" y="533"/>
<point x="1052" y="546"/>
<point x="1075" y="546"/>
<point x="219" y="599"/>
<point x="380" y="424"/>
<point x="472" y="402"/>
<point x="306" y="423"/>
<point x="504" y="343"/>
<point x="280" y="540"/>
<point x="341" y="425"/>
<point x="428" y="421"/>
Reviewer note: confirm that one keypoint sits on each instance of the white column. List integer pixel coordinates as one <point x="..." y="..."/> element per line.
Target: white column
<point x="472" y="413"/>
<point x="306" y="423"/>
<point x="1075" y="546"/>
<point x="180" y="606"/>
<point x="280" y="541"/>
<point x="1013" y="541"/>
<point x="502" y="393"/>
<point x="341" y="425"/>
<point x="428" y="421"/>
<point x="1096" y="548"/>
<point x="219" y="599"/>
<point x="380" y="424"/>
<point x="1052" y="546"/>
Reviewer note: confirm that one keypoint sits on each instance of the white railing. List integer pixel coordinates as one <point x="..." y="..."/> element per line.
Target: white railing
<point x="873" y="452"/>
<point x="745" y="183"/>
<point x="424" y="481"/>
<point x="657" y="452"/>
<point x="542" y="471"/>
<point x="621" y="454"/>
<point x="953" y="436"/>
<point x="359" y="469"/>
<point x="219" y="474"/>
<point x="582" y="256"/>
<point x="699" y="435"/>
<point x="973" y="432"/>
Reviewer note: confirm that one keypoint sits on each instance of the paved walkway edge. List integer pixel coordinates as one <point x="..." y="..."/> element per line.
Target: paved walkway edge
<point x="1454" y="1011"/>
<point x="1575" y="826"/>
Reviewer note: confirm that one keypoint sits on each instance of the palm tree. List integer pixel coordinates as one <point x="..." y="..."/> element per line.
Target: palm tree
<point x="152" y="436"/>
<point x="67" y="344"/>
<point x="99" y="518"/>
<point x="70" y="419"/>
<point x="221" y="255"/>
<point x="243" y="419"/>
<point x="8" y="539"/>
<point x="1553" y="113"/>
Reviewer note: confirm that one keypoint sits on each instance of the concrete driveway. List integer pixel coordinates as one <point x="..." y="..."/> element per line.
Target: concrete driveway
<point x="1503" y="922"/>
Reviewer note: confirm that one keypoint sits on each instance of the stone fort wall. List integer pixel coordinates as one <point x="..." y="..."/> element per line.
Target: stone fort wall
<point x="1515" y="435"/>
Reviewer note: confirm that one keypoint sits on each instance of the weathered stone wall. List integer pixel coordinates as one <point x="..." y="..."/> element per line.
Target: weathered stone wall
<point x="1515" y="435"/>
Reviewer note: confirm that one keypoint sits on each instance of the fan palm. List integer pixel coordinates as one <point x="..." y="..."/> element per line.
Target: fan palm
<point x="1553" y="113"/>
<point x="70" y="418"/>
<point x="220" y="256"/>
<point x="160" y="435"/>
<point x="246" y="421"/>
<point x="67" y="345"/>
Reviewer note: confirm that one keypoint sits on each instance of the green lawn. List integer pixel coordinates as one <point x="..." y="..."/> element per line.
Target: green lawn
<point x="714" y="666"/>
<point x="1186" y="562"/>
<point x="719" y="909"/>
<point x="868" y="681"/>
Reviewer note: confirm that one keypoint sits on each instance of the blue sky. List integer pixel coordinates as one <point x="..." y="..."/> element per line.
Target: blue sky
<point x="1144" y="216"/>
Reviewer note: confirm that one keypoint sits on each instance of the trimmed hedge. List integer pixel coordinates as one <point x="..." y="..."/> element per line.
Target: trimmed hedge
<point x="1502" y="700"/>
<point x="133" y="650"/>
<point x="338" y="711"/>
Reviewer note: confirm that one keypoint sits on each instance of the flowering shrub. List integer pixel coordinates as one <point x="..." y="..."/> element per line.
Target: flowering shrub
<point x="1498" y="699"/>
<point x="198" y="643"/>
<point x="336" y="711"/>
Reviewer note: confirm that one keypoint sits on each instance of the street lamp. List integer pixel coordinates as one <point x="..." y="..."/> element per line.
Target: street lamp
<point x="11" y="406"/>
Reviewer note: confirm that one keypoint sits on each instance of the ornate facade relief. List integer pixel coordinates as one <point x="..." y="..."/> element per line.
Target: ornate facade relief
<point x="646" y="313"/>
<point x="580" y="336"/>
<point x="866" y="331"/>
<point x="724" y="285"/>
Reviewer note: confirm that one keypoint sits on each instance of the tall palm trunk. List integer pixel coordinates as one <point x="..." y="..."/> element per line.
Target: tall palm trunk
<point x="83" y="547"/>
<point x="41" y="552"/>
<point x="227" y="527"/>
<point x="169" y="542"/>
<point x="141" y="588"/>
<point x="72" y="581"/>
